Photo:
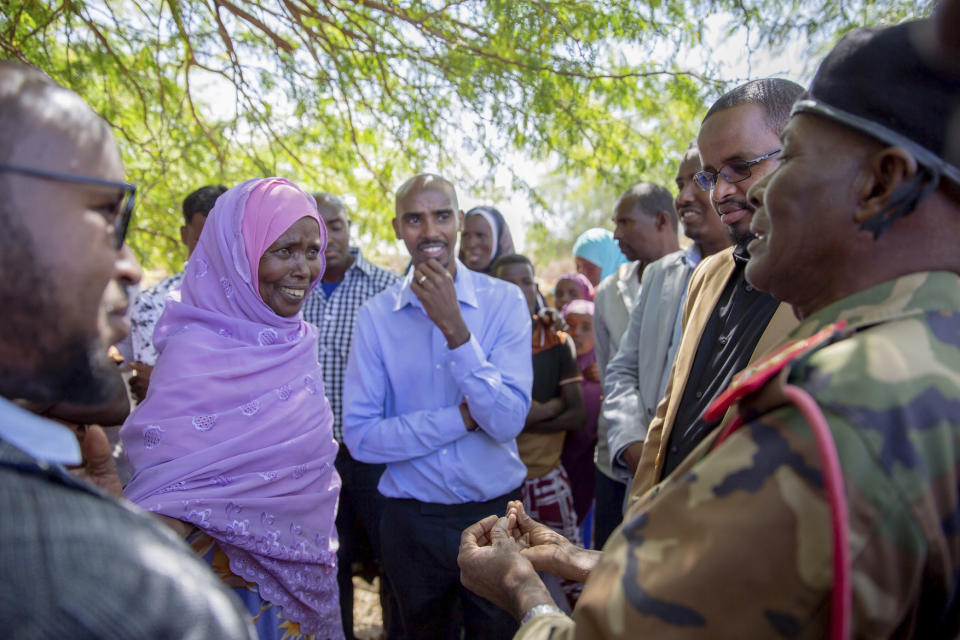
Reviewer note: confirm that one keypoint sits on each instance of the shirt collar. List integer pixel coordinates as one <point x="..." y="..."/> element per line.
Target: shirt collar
<point x="628" y="271"/>
<point x="38" y="437"/>
<point x="464" y="282"/>
<point x="360" y="263"/>
<point x="692" y="255"/>
<point x="740" y="255"/>
<point x="910" y="295"/>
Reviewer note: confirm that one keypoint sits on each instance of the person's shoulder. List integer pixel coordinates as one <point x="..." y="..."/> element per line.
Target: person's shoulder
<point x="385" y="300"/>
<point x="167" y="284"/>
<point x="717" y="266"/>
<point x="865" y="373"/>
<point x="608" y="285"/>
<point x="666" y="263"/>
<point x="489" y="287"/>
<point x="379" y="275"/>
<point x="155" y="295"/>
<point x="895" y="357"/>
<point x="719" y="261"/>
<point x="139" y="568"/>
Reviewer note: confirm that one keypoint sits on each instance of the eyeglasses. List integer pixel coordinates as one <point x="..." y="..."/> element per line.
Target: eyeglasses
<point x="732" y="172"/>
<point x="123" y="209"/>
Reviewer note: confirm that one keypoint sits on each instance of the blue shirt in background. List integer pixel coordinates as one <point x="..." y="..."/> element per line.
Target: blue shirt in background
<point x="403" y="388"/>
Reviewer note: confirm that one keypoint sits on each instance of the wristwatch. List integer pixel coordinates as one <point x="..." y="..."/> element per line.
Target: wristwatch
<point x="541" y="610"/>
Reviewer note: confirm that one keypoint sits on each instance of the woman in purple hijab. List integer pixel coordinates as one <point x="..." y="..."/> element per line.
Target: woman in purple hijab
<point x="233" y="443"/>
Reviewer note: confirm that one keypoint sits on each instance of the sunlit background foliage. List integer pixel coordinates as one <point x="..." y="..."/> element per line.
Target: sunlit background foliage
<point x="575" y="100"/>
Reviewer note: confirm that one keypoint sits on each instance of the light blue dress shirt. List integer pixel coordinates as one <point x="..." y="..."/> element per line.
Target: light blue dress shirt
<point x="403" y="387"/>
<point x="38" y="437"/>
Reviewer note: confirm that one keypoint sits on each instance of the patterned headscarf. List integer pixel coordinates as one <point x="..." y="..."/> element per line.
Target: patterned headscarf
<point x="234" y="435"/>
<point x="499" y="232"/>
<point x="599" y="247"/>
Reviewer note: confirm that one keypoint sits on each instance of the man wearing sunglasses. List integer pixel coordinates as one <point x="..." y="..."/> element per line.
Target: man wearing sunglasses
<point x="76" y="563"/>
<point x="726" y="323"/>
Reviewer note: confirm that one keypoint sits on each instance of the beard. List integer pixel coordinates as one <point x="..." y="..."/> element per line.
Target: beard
<point x="44" y="355"/>
<point x="740" y="238"/>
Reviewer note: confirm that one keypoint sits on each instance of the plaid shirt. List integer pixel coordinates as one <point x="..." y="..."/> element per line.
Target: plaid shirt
<point x="335" y="317"/>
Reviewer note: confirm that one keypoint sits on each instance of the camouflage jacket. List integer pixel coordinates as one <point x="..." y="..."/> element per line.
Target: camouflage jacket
<point x="736" y="543"/>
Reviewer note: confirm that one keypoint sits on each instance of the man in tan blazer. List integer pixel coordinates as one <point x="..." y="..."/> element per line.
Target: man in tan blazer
<point x="726" y="323"/>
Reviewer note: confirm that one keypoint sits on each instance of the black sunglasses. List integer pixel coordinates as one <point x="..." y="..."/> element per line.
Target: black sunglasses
<point x="123" y="210"/>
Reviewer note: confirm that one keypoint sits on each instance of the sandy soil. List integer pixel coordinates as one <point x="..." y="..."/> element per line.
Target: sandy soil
<point x="367" y="617"/>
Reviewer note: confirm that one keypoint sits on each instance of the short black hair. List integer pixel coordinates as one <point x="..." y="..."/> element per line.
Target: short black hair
<point x="651" y="199"/>
<point x="201" y="201"/>
<point x="507" y="260"/>
<point x="775" y="95"/>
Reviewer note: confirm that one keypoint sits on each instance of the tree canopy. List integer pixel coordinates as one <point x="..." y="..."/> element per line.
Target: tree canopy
<point x="352" y="97"/>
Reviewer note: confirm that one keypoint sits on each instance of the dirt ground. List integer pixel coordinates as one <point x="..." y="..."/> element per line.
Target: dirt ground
<point x="367" y="617"/>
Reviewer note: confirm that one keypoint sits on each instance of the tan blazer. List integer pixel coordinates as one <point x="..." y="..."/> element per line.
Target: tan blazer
<point x="706" y="286"/>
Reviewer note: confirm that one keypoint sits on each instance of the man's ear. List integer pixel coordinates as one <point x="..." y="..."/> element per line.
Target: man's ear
<point x="183" y="234"/>
<point x="884" y="173"/>
<point x="461" y="218"/>
<point x="663" y="221"/>
<point x="396" y="227"/>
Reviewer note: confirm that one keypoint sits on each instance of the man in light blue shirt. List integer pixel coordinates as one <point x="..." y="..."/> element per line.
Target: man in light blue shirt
<point x="438" y="387"/>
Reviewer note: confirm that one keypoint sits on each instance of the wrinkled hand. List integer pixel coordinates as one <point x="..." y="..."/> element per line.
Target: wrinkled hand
<point x="492" y="567"/>
<point x="433" y="286"/>
<point x="140" y="381"/>
<point x="546" y="549"/>
<point x="98" y="468"/>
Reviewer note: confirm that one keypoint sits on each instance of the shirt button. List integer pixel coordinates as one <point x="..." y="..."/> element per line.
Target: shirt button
<point x="699" y="394"/>
<point x="749" y="288"/>
<point x="439" y="367"/>
<point x="443" y="451"/>
<point x="723" y="340"/>
<point x="673" y="449"/>
<point x="453" y="363"/>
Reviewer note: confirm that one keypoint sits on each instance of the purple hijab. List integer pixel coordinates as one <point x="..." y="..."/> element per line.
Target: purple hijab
<point x="234" y="435"/>
<point x="586" y="287"/>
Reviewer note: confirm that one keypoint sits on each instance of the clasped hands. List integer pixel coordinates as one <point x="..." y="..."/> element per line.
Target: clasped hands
<point x="500" y="556"/>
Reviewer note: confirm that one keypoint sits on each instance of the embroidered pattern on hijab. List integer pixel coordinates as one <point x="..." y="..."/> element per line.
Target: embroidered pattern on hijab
<point x="599" y="247"/>
<point x="499" y="233"/>
<point x="235" y="434"/>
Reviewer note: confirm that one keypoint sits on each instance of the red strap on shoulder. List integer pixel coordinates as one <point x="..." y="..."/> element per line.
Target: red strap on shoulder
<point x="755" y="376"/>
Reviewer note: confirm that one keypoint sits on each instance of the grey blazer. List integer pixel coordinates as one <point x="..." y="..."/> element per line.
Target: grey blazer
<point x="637" y="375"/>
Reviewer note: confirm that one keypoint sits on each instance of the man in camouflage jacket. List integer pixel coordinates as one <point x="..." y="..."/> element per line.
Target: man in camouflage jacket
<point x="858" y="230"/>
